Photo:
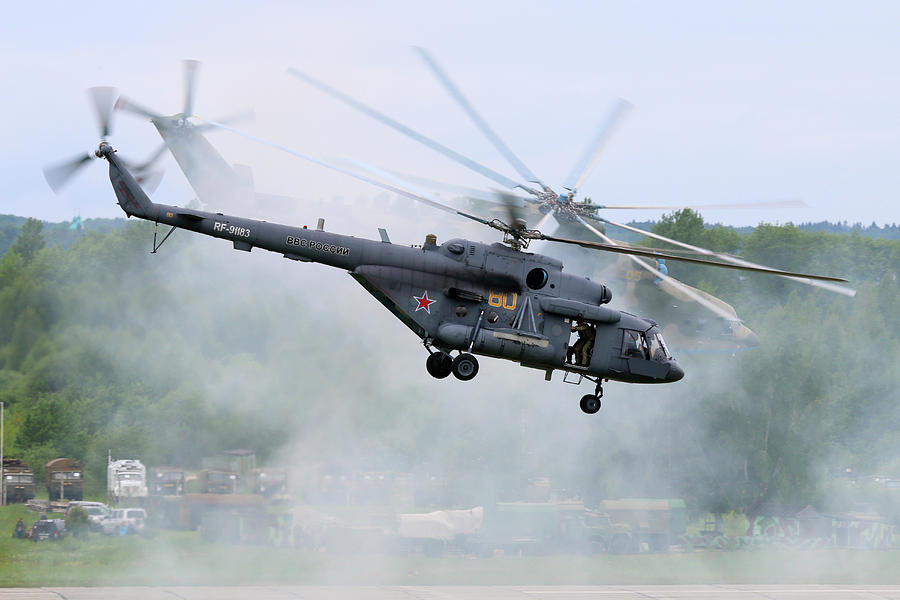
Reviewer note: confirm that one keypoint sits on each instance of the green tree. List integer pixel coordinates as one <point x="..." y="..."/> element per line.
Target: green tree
<point x="30" y="240"/>
<point x="77" y="521"/>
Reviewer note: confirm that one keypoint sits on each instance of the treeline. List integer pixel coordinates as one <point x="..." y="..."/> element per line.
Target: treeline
<point x="174" y="356"/>
<point x="819" y="396"/>
<point x="79" y="369"/>
<point x="62" y="234"/>
<point x="65" y="233"/>
<point x="873" y="231"/>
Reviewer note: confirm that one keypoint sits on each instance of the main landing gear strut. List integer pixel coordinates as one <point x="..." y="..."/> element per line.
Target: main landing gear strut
<point x="465" y="367"/>
<point x="440" y="364"/>
<point x="590" y="403"/>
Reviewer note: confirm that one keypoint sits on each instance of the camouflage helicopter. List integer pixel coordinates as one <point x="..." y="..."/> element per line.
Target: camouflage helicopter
<point x="465" y="297"/>
<point x="697" y="320"/>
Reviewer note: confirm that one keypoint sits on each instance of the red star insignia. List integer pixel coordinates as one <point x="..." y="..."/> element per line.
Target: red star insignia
<point x="424" y="302"/>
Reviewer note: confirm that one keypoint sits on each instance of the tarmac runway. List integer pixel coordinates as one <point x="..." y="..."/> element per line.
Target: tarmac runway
<point x="604" y="592"/>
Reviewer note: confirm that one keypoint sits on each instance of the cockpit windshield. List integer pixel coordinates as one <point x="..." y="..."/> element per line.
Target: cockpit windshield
<point x="646" y="346"/>
<point x="634" y="345"/>
<point x="658" y="350"/>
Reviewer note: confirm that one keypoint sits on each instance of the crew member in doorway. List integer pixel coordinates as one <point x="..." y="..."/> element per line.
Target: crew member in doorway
<point x="582" y="348"/>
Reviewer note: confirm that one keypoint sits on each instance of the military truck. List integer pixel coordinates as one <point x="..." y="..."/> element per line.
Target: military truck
<point x="653" y="523"/>
<point x="188" y="511"/>
<point x="550" y="527"/>
<point x="270" y="483"/>
<point x="126" y="480"/>
<point x="18" y="481"/>
<point x="241" y="462"/>
<point x="65" y="479"/>
<point x="166" y="481"/>
<point x="213" y="481"/>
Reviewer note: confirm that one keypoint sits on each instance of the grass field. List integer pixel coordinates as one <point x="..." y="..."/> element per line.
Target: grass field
<point x="183" y="558"/>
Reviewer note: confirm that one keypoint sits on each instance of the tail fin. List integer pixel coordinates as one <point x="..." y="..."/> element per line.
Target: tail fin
<point x="131" y="197"/>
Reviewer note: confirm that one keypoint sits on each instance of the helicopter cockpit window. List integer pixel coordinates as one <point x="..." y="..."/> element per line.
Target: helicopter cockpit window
<point x="657" y="347"/>
<point x="536" y="278"/>
<point x="634" y="345"/>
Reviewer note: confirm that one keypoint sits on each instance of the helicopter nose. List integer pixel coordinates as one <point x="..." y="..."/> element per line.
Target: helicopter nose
<point x="675" y="372"/>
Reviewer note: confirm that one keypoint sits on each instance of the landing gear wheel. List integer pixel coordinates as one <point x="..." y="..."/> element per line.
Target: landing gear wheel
<point x="439" y="365"/>
<point x="465" y="367"/>
<point x="590" y="403"/>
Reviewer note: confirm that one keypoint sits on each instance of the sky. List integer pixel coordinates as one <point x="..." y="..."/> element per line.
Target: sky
<point x="732" y="102"/>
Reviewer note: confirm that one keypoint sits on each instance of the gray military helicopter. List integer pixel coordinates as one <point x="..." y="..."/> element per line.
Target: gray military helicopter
<point x="694" y="320"/>
<point x="461" y="296"/>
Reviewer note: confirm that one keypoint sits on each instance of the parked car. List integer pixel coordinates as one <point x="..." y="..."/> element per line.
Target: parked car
<point x="46" y="529"/>
<point x="122" y="521"/>
<point x="96" y="512"/>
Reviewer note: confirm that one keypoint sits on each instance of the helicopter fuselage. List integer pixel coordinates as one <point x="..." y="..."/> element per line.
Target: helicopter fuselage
<point x="478" y="298"/>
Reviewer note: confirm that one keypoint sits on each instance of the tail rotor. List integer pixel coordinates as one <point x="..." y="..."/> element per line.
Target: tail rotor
<point x="104" y="101"/>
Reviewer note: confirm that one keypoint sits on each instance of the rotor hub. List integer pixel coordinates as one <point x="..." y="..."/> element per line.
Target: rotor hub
<point x="103" y="150"/>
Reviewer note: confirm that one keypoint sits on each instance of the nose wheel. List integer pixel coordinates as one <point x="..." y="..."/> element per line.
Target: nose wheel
<point x="590" y="403"/>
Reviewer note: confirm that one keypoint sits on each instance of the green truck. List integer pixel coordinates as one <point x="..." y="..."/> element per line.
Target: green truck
<point x="272" y="483"/>
<point x="18" y="481"/>
<point x="190" y="511"/>
<point x="215" y="481"/>
<point x="166" y="481"/>
<point x="550" y="527"/>
<point x="654" y="523"/>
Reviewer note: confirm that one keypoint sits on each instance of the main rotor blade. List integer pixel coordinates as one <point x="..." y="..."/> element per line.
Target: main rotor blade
<point x="247" y="115"/>
<point x="741" y="263"/>
<point x="157" y="154"/>
<point x="638" y="252"/>
<point x="461" y="190"/>
<point x="549" y="224"/>
<point x="243" y="116"/>
<point x="588" y="159"/>
<point x="190" y="85"/>
<point x="422" y="139"/>
<point x="548" y="219"/>
<point x="103" y="99"/>
<point x="726" y="206"/>
<point x="508" y="154"/>
<point x="59" y="174"/>
<point x="149" y="180"/>
<point x="669" y="280"/>
<point x="431" y="201"/>
<point x="417" y="194"/>
<point x="128" y="105"/>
